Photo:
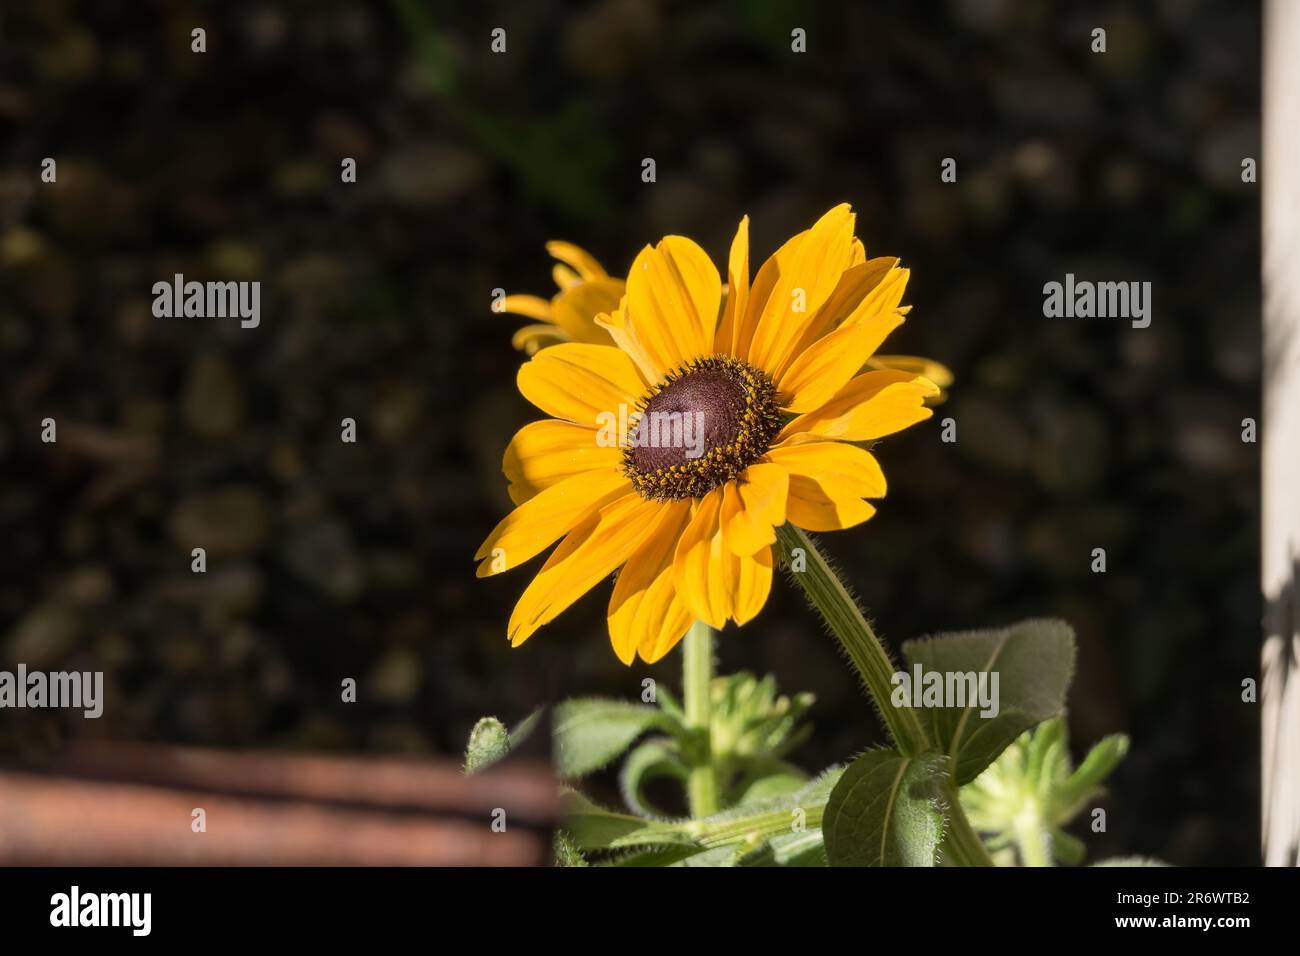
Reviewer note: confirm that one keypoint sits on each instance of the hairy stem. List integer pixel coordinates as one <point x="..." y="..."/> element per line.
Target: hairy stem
<point x="827" y="594"/>
<point x="963" y="843"/>
<point x="697" y="683"/>
<point x="832" y="600"/>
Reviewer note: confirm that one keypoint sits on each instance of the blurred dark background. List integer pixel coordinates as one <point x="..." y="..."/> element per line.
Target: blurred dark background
<point x="329" y="560"/>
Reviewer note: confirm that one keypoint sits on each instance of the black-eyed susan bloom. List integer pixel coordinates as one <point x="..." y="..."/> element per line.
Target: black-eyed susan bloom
<point x="673" y="453"/>
<point x="586" y="290"/>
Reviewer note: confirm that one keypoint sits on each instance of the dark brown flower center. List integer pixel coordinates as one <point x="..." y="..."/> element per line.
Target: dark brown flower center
<point x="702" y="426"/>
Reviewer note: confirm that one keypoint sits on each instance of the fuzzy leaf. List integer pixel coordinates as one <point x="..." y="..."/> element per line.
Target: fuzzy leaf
<point x="524" y="729"/>
<point x="770" y="779"/>
<point x="789" y="849"/>
<point x="488" y="743"/>
<point x="595" y="828"/>
<point x="1096" y="767"/>
<point x="591" y="732"/>
<point x="649" y="761"/>
<point x="886" y="811"/>
<point x="1034" y="661"/>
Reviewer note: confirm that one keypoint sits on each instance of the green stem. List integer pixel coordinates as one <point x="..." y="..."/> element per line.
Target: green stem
<point x="963" y="842"/>
<point x="827" y="594"/>
<point x="832" y="600"/>
<point x="1032" y="840"/>
<point x="697" y="684"/>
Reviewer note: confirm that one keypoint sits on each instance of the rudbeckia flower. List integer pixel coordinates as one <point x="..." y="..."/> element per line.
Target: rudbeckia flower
<point x="586" y="291"/>
<point x="673" y="453"/>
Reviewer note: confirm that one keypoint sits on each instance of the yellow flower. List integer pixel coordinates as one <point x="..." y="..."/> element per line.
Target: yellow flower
<point x="675" y="452"/>
<point x="586" y="291"/>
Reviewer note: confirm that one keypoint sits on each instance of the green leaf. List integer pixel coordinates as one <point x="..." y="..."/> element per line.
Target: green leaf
<point x="1096" y="767"/>
<point x="789" y="849"/>
<point x="886" y="811"/>
<point x="591" y="732"/>
<point x="1067" y="848"/>
<point x="717" y="856"/>
<point x="649" y="761"/>
<point x="488" y="743"/>
<point x="524" y="729"/>
<point x="595" y="828"/>
<point x="772" y="778"/>
<point x="655" y="856"/>
<point x="1033" y="660"/>
<point x="669" y="704"/>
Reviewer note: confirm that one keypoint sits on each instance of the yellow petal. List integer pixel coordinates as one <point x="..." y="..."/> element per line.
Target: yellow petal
<point x="749" y="581"/>
<point x="580" y="260"/>
<point x="824" y="368"/>
<point x="761" y="291"/>
<point x="813" y="272"/>
<point x="864" y="292"/>
<point x="545" y="453"/>
<point x="533" y="306"/>
<point x="673" y="296"/>
<point x="824" y="505"/>
<point x="857" y="253"/>
<point x="870" y="406"/>
<point x="589" y="553"/>
<point x="753" y="507"/>
<point x="564" y="277"/>
<point x="849" y="465"/>
<point x="531" y="339"/>
<point x="676" y="622"/>
<point x="936" y="372"/>
<point x="575" y="309"/>
<point x="582" y="383"/>
<point x="699" y="569"/>
<point x="538" y="522"/>
<point x="727" y="341"/>
<point x="616" y="326"/>
<point x="828" y="481"/>
<point x="645" y="613"/>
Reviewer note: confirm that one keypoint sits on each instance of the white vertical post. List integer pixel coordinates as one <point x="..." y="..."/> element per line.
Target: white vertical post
<point x="1279" y="173"/>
